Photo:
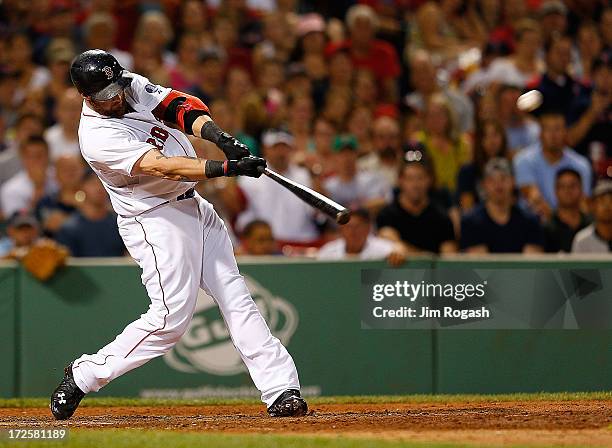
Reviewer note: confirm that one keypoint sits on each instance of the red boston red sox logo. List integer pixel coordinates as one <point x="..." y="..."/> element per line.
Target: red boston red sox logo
<point x="158" y="137"/>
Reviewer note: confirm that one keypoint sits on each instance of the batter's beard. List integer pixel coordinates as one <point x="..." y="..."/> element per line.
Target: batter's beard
<point x="119" y="112"/>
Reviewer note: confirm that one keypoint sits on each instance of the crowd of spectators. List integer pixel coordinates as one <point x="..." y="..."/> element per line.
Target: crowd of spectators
<point x="405" y="111"/>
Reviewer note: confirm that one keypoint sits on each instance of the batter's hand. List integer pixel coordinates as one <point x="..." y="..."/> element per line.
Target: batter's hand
<point x="247" y="166"/>
<point x="232" y="148"/>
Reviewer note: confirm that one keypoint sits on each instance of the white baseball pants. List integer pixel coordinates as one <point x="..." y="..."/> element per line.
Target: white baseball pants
<point x="181" y="247"/>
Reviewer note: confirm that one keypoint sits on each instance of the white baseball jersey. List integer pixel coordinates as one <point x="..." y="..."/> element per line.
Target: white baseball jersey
<point x="112" y="146"/>
<point x="181" y="246"/>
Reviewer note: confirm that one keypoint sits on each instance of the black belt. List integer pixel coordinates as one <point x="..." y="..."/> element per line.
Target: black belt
<point x="187" y="195"/>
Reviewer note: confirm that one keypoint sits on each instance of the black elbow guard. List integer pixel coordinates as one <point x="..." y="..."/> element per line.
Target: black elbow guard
<point x="190" y="117"/>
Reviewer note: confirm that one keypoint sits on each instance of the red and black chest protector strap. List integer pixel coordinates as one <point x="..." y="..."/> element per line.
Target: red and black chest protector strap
<point x="181" y="109"/>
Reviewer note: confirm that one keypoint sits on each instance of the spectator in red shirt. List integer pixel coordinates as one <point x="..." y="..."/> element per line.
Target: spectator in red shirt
<point x="370" y="53"/>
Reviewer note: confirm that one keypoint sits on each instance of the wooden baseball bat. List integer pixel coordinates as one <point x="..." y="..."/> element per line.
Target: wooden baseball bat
<point x="341" y="214"/>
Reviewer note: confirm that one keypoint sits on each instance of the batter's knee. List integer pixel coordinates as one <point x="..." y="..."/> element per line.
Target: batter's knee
<point x="175" y="328"/>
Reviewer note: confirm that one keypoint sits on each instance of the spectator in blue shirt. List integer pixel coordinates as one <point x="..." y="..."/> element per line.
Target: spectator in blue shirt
<point x="22" y="231"/>
<point x="92" y="230"/>
<point x="498" y="225"/>
<point x="536" y="168"/>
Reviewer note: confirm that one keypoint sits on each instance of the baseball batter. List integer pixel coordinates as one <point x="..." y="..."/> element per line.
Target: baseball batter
<point x="132" y="134"/>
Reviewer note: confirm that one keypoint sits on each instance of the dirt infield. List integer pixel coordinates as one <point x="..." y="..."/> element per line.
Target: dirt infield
<point x="498" y="423"/>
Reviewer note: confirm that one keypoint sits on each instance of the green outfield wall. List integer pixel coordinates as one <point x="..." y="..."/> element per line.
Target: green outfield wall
<point x="8" y="329"/>
<point x="313" y="307"/>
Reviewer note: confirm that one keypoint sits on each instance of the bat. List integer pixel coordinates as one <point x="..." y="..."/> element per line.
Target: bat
<point x="341" y="214"/>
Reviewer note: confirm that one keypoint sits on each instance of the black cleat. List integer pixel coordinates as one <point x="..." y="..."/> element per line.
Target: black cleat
<point x="288" y="404"/>
<point x="66" y="398"/>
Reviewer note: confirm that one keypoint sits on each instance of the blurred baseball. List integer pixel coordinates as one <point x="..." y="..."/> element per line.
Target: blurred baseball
<point x="529" y="101"/>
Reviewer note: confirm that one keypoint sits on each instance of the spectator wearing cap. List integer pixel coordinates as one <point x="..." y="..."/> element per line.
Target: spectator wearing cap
<point x="519" y="68"/>
<point x="35" y="180"/>
<point x="92" y="230"/>
<point x="100" y="31"/>
<point x="591" y="119"/>
<point x="370" y="53"/>
<point x="536" y="167"/>
<point x="498" y="225"/>
<point x="411" y="218"/>
<point x="447" y="149"/>
<point x="353" y="188"/>
<point x="292" y="220"/>
<point x="356" y="240"/>
<point x="553" y="19"/>
<point x="386" y="157"/>
<point x="597" y="237"/>
<point x="424" y="79"/>
<point x="522" y="131"/>
<point x="209" y="84"/>
<point x="62" y="137"/>
<point x="257" y="240"/>
<point x="22" y="231"/>
<point x="53" y="209"/>
<point x="568" y="218"/>
<point x="489" y="143"/>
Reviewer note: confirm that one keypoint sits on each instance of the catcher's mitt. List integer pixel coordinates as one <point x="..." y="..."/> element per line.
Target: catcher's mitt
<point x="44" y="258"/>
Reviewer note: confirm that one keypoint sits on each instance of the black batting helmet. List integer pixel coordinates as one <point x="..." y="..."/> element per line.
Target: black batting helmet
<point x="98" y="75"/>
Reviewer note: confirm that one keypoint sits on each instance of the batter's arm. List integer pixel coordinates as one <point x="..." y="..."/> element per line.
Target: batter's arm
<point x="192" y="116"/>
<point x="193" y="169"/>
